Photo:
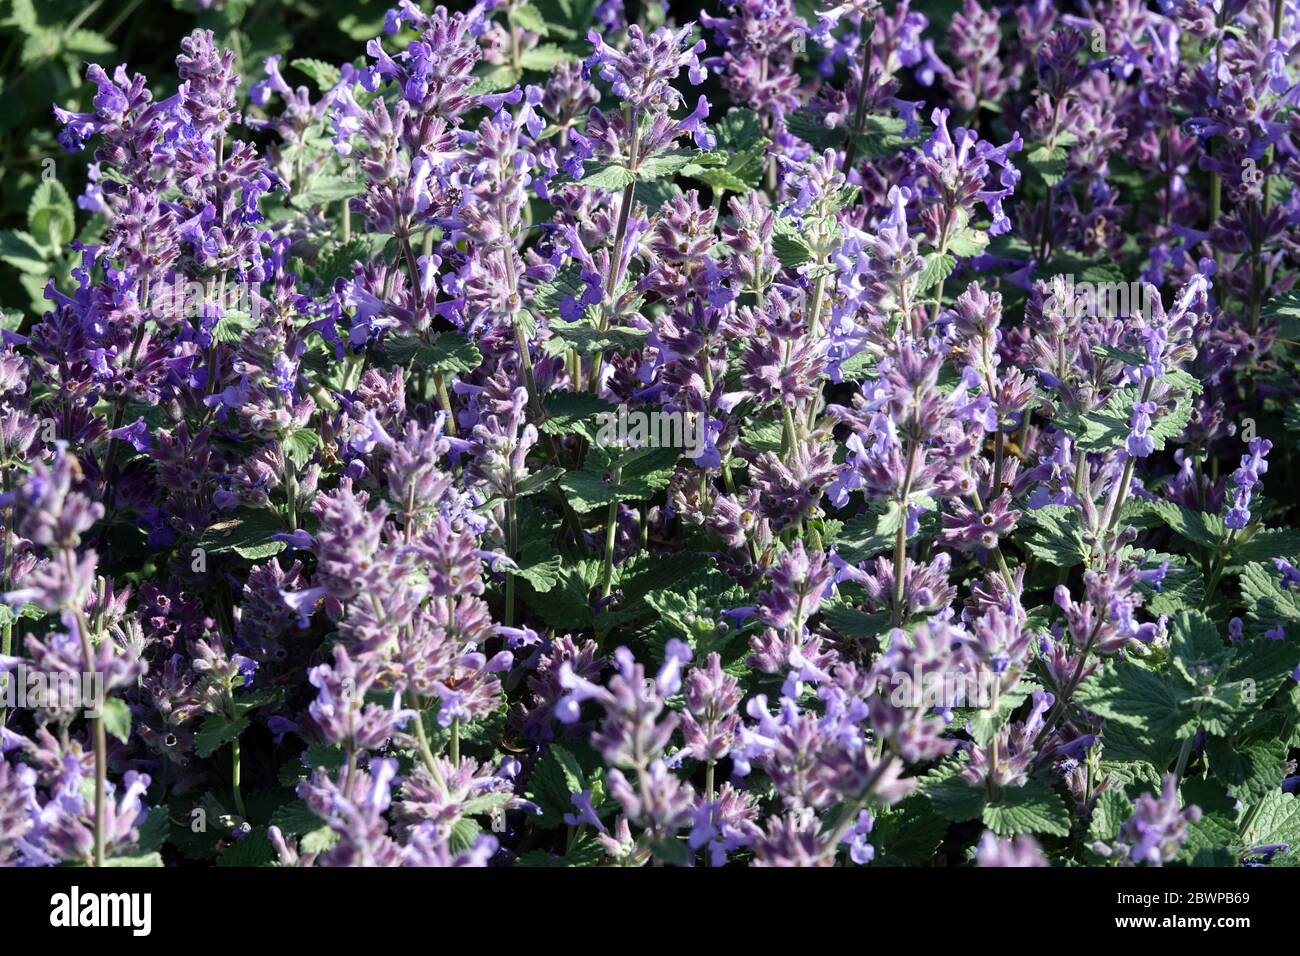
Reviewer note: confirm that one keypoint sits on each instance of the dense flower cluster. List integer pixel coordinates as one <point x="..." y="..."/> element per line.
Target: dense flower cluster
<point x="760" y="441"/>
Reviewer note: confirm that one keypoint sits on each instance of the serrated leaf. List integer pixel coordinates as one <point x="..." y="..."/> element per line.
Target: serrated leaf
<point x="938" y="266"/>
<point x="1108" y="815"/>
<point x="664" y="164"/>
<point x="117" y="719"/>
<point x="1198" y="527"/>
<point x="451" y="353"/>
<point x="610" y="177"/>
<point x="790" y="247"/>
<point x="325" y="189"/>
<point x="545" y="57"/>
<point x="247" y="532"/>
<point x="642" y="473"/>
<point x="1278" y="821"/>
<point x="529" y="18"/>
<point x="301" y="445"/>
<point x="1056" y="536"/>
<point x="295" y="819"/>
<point x="565" y="411"/>
<point x="325" y="75"/>
<point x="585" y="339"/>
<point x="23" y="252"/>
<point x="217" y="731"/>
<point x="1033" y="808"/>
<point x="1248" y="770"/>
<point x="51" y="218"/>
<point x="153" y="832"/>
<point x="952" y="796"/>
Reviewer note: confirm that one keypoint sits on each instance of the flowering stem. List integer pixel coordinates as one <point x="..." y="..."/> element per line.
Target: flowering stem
<point x="6" y="629"/>
<point x="512" y="535"/>
<point x="234" y="777"/>
<point x="789" y="432"/>
<point x="860" y="114"/>
<point x="938" y="292"/>
<point x="445" y="401"/>
<point x="1183" y="754"/>
<point x="426" y="752"/>
<point x="97" y="731"/>
<point x="1126" y="479"/>
<point x="900" y="539"/>
<point x="290" y="494"/>
<point x="611" y="527"/>
<point x="454" y="746"/>
<point x="620" y="235"/>
<point x="850" y="811"/>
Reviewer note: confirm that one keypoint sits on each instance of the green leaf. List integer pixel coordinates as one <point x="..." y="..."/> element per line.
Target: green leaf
<point x="117" y="719"/>
<point x="301" y="445"/>
<point x="1249" y="771"/>
<point x="1129" y="693"/>
<point x="217" y="731"/>
<point x="862" y="537"/>
<point x="664" y="164"/>
<point x="1056" y="537"/>
<point x="1278" y="821"/>
<point x="153" y="832"/>
<point x="295" y="819"/>
<point x="548" y="295"/>
<point x="671" y="850"/>
<point x="610" y="177"/>
<point x="319" y="840"/>
<point x="586" y="851"/>
<point x="496" y="78"/>
<point x="642" y="473"/>
<point x="1109" y="814"/>
<point x="938" y="266"/>
<point x="247" y="532"/>
<point x="545" y="57"/>
<point x="1183" y="586"/>
<point x="451" y="354"/>
<point x="325" y="75"/>
<point x="1207" y="843"/>
<point x="1049" y="165"/>
<point x="253" y="850"/>
<point x="1198" y="527"/>
<point x="586" y="339"/>
<point x="565" y="411"/>
<point x="1267" y="602"/>
<point x="908" y="834"/>
<point x="1033" y="808"/>
<point x="952" y="796"/>
<point x="790" y="247"/>
<point x="50" y="215"/>
<point x="538" y="481"/>
<point x="851" y="622"/>
<point x="968" y="242"/>
<point x="233" y="326"/>
<point x="742" y="151"/>
<point x="1266" y="544"/>
<point x="558" y="775"/>
<point x="23" y="252"/>
<point x="884" y="136"/>
<point x="86" y="41"/>
<point x="529" y="18"/>
<point x="325" y="189"/>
